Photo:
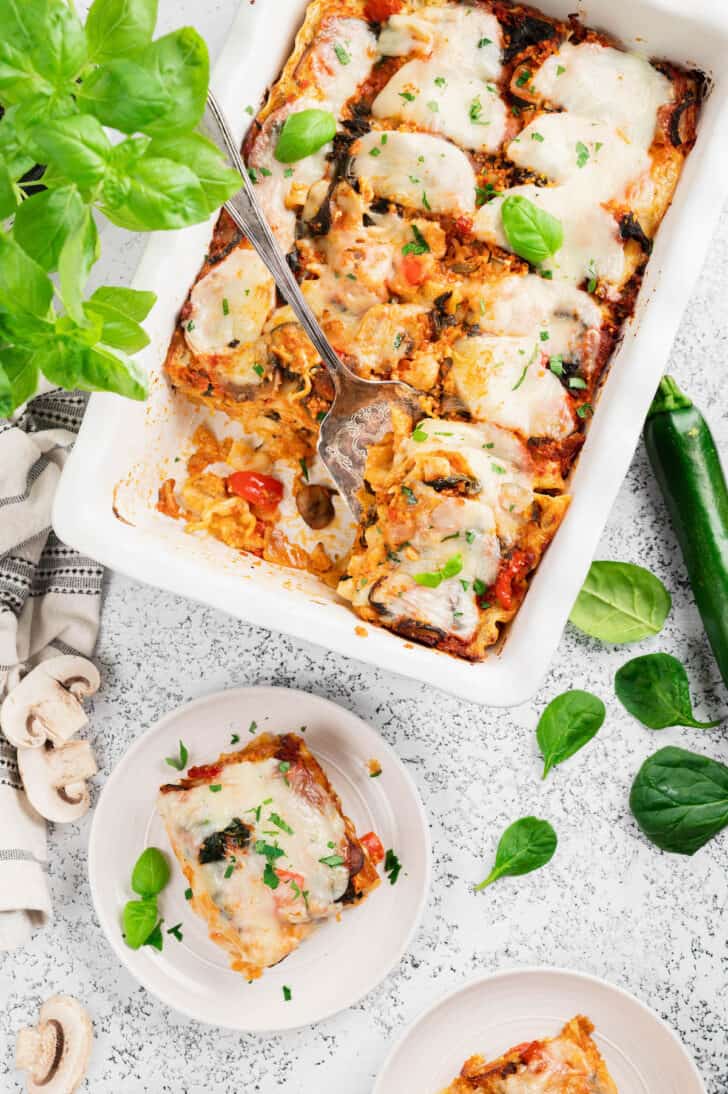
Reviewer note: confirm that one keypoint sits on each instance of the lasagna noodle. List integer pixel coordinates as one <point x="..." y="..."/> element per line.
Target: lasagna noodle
<point x="444" y="111"/>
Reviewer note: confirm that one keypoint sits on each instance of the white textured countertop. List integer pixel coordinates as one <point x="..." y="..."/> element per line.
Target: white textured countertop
<point x="608" y="904"/>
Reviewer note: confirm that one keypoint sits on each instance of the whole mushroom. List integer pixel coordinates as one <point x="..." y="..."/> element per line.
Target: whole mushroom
<point x="46" y="704"/>
<point x="56" y="1052"/>
<point x="55" y="779"/>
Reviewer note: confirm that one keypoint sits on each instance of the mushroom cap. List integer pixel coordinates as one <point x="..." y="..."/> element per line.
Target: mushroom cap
<point x="55" y="779"/>
<point x="56" y="1052"/>
<point x="46" y="702"/>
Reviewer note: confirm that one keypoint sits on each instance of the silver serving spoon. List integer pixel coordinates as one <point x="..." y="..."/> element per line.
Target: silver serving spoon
<point x="361" y="413"/>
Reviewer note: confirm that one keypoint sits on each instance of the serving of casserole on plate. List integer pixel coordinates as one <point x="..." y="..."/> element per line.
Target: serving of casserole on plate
<point x="477" y="223"/>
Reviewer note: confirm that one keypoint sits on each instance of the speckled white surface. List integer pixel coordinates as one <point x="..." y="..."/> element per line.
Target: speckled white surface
<point x="608" y="904"/>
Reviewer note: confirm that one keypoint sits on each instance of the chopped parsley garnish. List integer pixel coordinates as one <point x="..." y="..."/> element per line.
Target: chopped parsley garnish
<point x="270" y="877"/>
<point x="375" y="151"/>
<point x="585" y="410"/>
<point x="392" y="866"/>
<point x="419" y="434"/>
<point x="258" y="369"/>
<point x="286" y="993"/>
<point x="235" y="739"/>
<point x="479" y="587"/>
<point x="191" y="325"/>
<point x="417" y="246"/>
<point x="485" y="42"/>
<point x="433" y="106"/>
<point x="398" y="339"/>
<point x="304" y="469"/>
<point x="598" y="145"/>
<point x="216" y="788"/>
<point x="225" y="306"/>
<point x="544" y="335"/>
<point x="523" y="77"/>
<point x="520" y="379"/>
<point x="498" y="468"/>
<point x="288" y="173"/>
<point x="470" y="536"/>
<point x="280" y="823"/>
<point x="410" y="495"/>
<point x="252" y="727"/>
<point x="393" y="556"/>
<point x="342" y="56"/>
<point x="560" y="70"/>
<point x="321" y="415"/>
<point x="592" y="272"/>
<point x="249" y="110"/>
<point x="556" y="364"/>
<point x="433" y="579"/>
<point x="252" y="175"/>
<point x="179" y="763"/>
<point x="440" y="81"/>
<point x="465" y="584"/>
<point x="453" y="535"/>
<point x="537" y="137"/>
<point x="582" y="154"/>
<point x="407" y="96"/>
<point x="577" y="382"/>
<point x="265" y="172"/>
<point x="284" y="766"/>
<point x="425" y="203"/>
<point x="547" y="275"/>
<point x="176" y="931"/>
<point x="229" y="870"/>
<point x="475" y="111"/>
<point x="188" y="894"/>
<point x="332" y="860"/>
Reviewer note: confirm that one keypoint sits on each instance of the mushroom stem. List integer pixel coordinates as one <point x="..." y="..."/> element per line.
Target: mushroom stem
<point x="71" y="765"/>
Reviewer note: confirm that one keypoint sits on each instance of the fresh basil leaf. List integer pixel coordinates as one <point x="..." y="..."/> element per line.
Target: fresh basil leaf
<point x="156" y="939"/>
<point x="17" y="159"/>
<point x="159" y="194"/>
<point x="76" y="146"/>
<point x="20" y="382"/>
<point x="621" y="602"/>
<point x="105" y="371"/>
<point x="49" y="33"/>
<point x="526" y="845"/>
<point x="181" y="62"/>
<point x="140" y="919"/>
<point x="304" y="133"/>
<point x="124" y="94"/>
<point x="680" y="799"/>
<point x="218" y="181"/>
<point x="8" y="192"/>
<point x="77" y="256"/>
<point x="18" y="79"/>
<point x="130" y="302"/>
<point x="531" y="232"/>
<point x="654" y="688"/>
<point x="128" y="152"/>
<point x="150" y="873"/>
<point x="567" y="724"/>
<point x="24" y="286"/>
<point x="117" y="27"/>
<point x="60" y="360"/>
<point x="118" y="330"/>
<point x="44" y="221"/>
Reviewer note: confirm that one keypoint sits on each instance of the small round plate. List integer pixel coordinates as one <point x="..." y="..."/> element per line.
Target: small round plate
<point x="343" y="959"/>
<point x="490" y="1015"/>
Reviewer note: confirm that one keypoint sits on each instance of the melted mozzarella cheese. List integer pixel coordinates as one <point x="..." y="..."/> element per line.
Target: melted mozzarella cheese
<point x="252" y="908"/>
<point x="468" y="37"/>
<point x="528" y="305"/>
<point x="606" y="85"/>
<point x="591" y="246"/>
<point x="507" y="381"/>
<point x="595" y="160"/>
<point x="410" y="166"/>
<point x="337" y="537"/>
<point x="230" y="304"/>
<point x="440" y="98"/>
<point x="386" y="334"/>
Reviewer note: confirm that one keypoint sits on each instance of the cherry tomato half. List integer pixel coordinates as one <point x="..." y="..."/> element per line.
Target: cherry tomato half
<point x="510" y="573"/>
<point x="255" y="487"/>
<point x="413" y="269"/>
<point x="378" y="11"/>
<point x="373" y="846"/>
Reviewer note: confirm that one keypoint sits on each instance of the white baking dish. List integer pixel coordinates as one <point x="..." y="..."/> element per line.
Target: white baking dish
<point x="125" y="449"/>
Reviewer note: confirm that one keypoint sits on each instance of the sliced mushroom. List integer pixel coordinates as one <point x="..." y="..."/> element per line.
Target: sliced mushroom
<point x="315" y="505"/>
<point x="55" y="779"/>
<point x="56" y="1052"/>
<point x="46" y="703"/>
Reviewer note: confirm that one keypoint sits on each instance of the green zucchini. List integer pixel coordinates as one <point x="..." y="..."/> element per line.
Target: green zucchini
<point x="687" y="467"/>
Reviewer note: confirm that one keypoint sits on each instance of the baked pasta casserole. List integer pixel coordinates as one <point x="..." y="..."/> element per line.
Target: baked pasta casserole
<point x="266" y="849"/>
<point x="568" y="1064"/>
<point x="468" y="194"/>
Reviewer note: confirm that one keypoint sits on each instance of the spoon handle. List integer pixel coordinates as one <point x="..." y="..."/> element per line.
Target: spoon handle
<point x="247" y="214"/>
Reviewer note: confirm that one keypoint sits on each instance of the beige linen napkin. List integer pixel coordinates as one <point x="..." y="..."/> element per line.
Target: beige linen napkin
<point x="50" y="599"/>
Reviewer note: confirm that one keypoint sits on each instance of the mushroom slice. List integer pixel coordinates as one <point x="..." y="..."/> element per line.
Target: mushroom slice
<point x="314" y="504"/>
<point x="45" y="704"/>
<point x="55" y="779"/>
<point x="56" y="1052"/>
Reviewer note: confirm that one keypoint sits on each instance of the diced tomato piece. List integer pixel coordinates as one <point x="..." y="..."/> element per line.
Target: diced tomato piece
<point x="464" y="226"/>
<point x="378" y="11"/>
<point x="510" y="574"/>
<point x="413" y="269"/>
<point x="373" y="847"/>
<point x="256" y="488"/>
<point x="290" y="875"/>
<point x="204" y="771"/>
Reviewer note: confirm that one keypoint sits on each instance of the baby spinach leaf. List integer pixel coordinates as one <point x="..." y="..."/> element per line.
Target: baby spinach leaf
<point x="567" y="724"/>
<point x="150" y="873"/>
<point x="620" y="602"/>
<point x="44" y="221"/>
<point x="680" y="799"/>
<point x="531" y="232"/>
<point x="655" y="689"/>
<point x="526" y="845"/>
<point x="117" y="27"/>
<point x="304" y="133"/>
<point x="140" y="920"/>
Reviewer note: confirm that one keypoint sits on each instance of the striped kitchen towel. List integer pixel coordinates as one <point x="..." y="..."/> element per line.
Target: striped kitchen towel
<point x="50" y="599"/>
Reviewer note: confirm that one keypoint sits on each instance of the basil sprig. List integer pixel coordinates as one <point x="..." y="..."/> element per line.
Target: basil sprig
<point x="61" y="84"/>
<point x="621" y="602"/>
<point x="526" y="845"/>
<point x="655" y="689"/>
<point x="567" y="724"/>
<point x="141" y="917"/>
<point x="303" y="134"/>
<point x="532" y="233"/>
<point x="680" y="799"/>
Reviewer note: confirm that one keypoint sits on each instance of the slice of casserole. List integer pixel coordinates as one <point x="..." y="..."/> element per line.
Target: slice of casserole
<point x="568" y="1064"/>
<point x="267" y="851"/>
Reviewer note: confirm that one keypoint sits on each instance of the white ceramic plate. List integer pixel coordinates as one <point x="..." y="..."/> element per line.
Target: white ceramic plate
<point x="342" y="960"/>
<point x="490" y="1015"/>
